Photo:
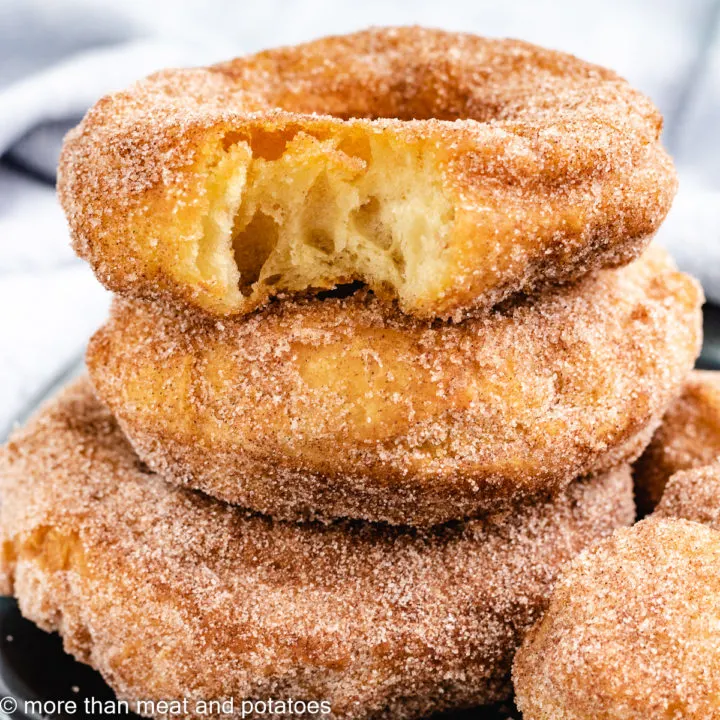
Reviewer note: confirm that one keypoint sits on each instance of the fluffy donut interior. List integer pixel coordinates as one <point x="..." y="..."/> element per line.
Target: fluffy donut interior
<point x="294" y="211"/>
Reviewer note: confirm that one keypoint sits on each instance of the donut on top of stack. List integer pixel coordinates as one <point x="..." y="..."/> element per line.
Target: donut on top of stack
<point x="443" y="170"/>
<point x="461" y="424"/>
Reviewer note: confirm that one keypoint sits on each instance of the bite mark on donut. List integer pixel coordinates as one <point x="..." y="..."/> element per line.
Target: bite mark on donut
<point x="291" y="211"/>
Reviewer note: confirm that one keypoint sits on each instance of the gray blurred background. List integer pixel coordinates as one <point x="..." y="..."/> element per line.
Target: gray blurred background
<point x="58" y="56"/>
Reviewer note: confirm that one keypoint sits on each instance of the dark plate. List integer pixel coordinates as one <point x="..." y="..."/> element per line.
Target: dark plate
<point x="33" y="665"/>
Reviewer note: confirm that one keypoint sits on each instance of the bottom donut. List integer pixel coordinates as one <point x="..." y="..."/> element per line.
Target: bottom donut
<point x="174" y="596"/>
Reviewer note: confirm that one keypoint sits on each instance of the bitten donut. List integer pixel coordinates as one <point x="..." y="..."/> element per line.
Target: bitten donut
<point x="693" y="495"/>
<point x="172" y="595"/>
<point x="346" y="407"/>
<point x="443" y="170"/>
<point x="689" y="437"/>
<point x="632" y="631"/>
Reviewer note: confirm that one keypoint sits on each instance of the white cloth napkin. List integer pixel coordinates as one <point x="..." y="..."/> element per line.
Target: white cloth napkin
<point x="57" y="57"/>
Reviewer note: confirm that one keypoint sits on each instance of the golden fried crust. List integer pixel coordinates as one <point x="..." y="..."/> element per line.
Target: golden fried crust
<point x="631" y="632"/>
<point x="171" y="594"/>
<point x="445" y="170"/>
<point x="348" y="408"/>
<point x="689" y="437"/>
<point x="693" y="495"/>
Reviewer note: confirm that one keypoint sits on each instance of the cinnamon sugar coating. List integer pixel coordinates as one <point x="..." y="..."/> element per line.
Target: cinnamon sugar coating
<point x="632" y="631"/>
<point x="171" y="594"/>
<point x="444" y="170"/>
<point x="693" y="495"/>
<point x="348" y="408"/>
<point x="689" y="437"/>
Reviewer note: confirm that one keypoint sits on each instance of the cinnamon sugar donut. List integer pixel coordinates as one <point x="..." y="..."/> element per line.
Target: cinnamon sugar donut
<point x="346" y="407"/>
<point x="693" y="495"/>
<point x="632" y="631"/>
<point x="444" y="170"/>
<point x="172" y="595"/>
<point x="689" y="437"/>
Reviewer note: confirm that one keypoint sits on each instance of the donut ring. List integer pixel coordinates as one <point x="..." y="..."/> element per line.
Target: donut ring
<point x="693" y="495"/>
<point x="345" y="407"/>
<point x="171" y="594"/>
<point x="444" y="170"/>
<point x="631" y="631"/>
<point x="689" y="437"/>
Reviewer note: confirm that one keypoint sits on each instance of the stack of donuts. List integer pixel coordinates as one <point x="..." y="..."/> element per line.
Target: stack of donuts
<point x="388" y="332"/>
